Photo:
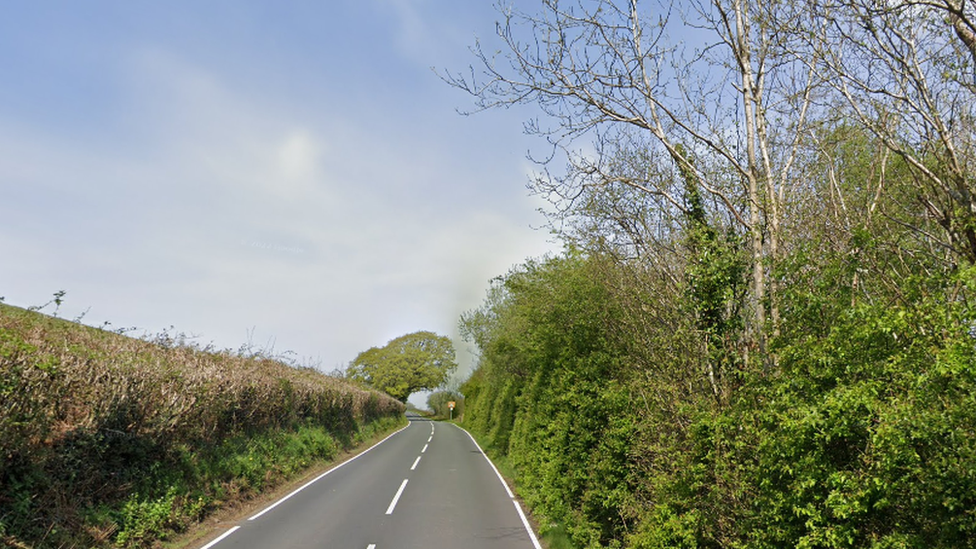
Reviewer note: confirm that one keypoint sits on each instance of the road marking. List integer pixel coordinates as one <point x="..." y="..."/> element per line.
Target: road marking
<point x="425" y="448"/>
<point x="396" y="498"/>
<point x="430" y="438"/>
<point x="316" y="479"/>
<point x="222" y="536"/>
<point x="371" y="546"/>
<point x="500" y="478"/>
<point x="525" y="521"/>
<point x="414" y="466"/>
<point x="528" y="528"/>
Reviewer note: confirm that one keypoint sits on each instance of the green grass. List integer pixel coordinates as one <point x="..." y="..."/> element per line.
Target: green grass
<point x="556" y="537"/>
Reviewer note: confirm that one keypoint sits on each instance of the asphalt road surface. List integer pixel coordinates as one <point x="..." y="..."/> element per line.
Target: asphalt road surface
<point x="427" y="486"/>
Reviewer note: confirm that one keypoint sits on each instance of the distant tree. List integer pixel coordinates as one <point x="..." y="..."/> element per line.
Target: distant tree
<point x="438" y="402"/>
<point x="405" y="365"/>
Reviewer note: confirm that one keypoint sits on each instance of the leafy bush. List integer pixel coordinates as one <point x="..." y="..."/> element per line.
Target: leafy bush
<point x="867" y="434"/>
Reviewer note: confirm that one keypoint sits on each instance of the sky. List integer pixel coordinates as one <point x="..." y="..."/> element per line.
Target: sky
<point x="289" y="175"/>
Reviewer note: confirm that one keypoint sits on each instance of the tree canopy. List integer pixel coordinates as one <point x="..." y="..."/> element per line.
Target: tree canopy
<point x="410" y="363"/>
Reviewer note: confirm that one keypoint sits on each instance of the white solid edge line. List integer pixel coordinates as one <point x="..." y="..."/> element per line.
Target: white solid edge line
<point x="396" y="498"/>
<point x="221" y="538"/>
<point x="525" y="520"/>
<point x="528" y="527"/>
<point x="414" y="466"/>
<point x="500" y="478"/>
<point x="316" y="479"/>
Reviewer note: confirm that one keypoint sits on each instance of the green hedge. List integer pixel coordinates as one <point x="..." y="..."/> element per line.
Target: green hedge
<point x="862" y="435"/>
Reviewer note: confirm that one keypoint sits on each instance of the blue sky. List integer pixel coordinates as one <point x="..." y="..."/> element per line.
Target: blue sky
<point x="286" y="172"/>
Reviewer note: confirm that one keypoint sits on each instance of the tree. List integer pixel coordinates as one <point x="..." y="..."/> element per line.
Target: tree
<point x="439" y="403"/>
<point x="409" y="363"/>
<point x="905" y="68"/>
<point x="729" y="108"/>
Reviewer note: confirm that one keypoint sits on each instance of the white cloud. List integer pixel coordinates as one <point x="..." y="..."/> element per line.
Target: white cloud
<point x="221" y="211"/>
<point x="413" y="35"/>
<point x="298" y="156"/>
<point x="434" y="33"/>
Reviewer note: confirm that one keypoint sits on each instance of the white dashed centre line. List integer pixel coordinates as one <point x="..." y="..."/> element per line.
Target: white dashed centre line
<point x="396" y="498"/>
<point x="425" y="448"/>
<point x="316" y="479"/>
<point x="414" y="466"/>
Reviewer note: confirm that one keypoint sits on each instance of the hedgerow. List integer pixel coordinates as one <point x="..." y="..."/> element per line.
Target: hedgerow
<point x="862" y="435"/>
<point x="111" y="440"/>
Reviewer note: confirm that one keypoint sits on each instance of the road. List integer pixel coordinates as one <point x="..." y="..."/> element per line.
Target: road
<point x="427" y="486"/>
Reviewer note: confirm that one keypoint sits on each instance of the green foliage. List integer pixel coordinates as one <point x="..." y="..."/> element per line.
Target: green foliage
<point x="556" y="537"/>
<point x="405" y="365"/>
<point x="867" y="434"/>
<point x="545" y="395"/>
<point x="715" y="287"/>
<point x="861" y="437"/>
<point x="143" y="521"/>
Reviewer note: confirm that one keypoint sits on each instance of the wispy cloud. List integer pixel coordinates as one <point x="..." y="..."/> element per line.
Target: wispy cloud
<point x="220" y="209"/>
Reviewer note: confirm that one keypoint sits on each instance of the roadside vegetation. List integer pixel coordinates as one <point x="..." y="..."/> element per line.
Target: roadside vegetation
<point x="111" y="441"/>
<point x="761" y="333"/>
<point x="593" y="384"/>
